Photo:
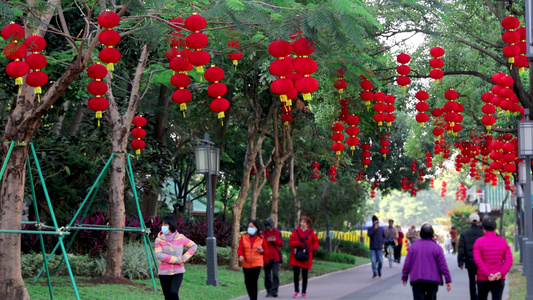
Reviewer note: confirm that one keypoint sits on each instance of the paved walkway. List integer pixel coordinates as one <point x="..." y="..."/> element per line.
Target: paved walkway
<point x="357" y="283"/>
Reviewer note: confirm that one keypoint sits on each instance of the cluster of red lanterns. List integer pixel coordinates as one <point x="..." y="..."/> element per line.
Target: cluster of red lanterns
<point x="420" y="175"/>
<point x="436" y="63"/>
<point x="389" y="109"/>
<point x="520" y="61"/>
<point x="235" y="55"/>
<point x="332" y="174"/>
<point x="452" y="112"/>
<point x="352" y="131"/>
<point x="373" y="190"/>
<point x="366" y="95"/>
<point x="196" y="41"/>
<point x="504" y="97"/>
<point x="488" y="109"/>
<point x="429" y="160"/>
<point x="379" y="107"/>
<point x="511" y="37"/>
<point x="337" y="137"/>
<point x="405" y="183"/>
<point x="359" y="177"/>
<point x="109" y="38"/>
<point x="460" y="195"/>
<point x="16" y="51"/>
<point x="414" y="166"/>
<point x="340" y="84"/>
<point x="384" y="143"/>
<point x="286" y="116"/>
<point x="216" y="90"/>
<point x="365" y="154"/>
<point x="305" y="66"/>
<point x="316" y="171"/>
<point x="282" y="67"/>
<point x="422" y="107"/>
<point x="179" y="64"/>
<point x="138" y="133"/>
<point x="343" y="114"/>
<point x="403" y="70"/>
<point x="97" y="88"/>
<point x="443" y="189"/>
<point x="36" y="61"/>
<point x="432" y="183"/>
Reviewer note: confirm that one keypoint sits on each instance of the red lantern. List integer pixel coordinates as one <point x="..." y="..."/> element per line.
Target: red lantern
<point x="108" y="19"/>
<point x="510" y="23"/>
<point x="36" y="61"/>
<point x="217" y="89"/>
<point x="306" y="85"/>
<point x="176" y="24"/>
<point x="195" y="23"/>
<point x="13" y="32"/>
<point x="279" y="48"/>
<point x="17" y="69"/>
<point x="181" y="97"/>
<point x="280" y="67"/>
<point x="176" y="40"/>
<point x="219" y="105"/>
<point x="235" y="57"/>
<point x="403" y="81"/>
<point x="180" y="80"/>
<point x="199" y="58"/>
<point x="179" y="64"/>
<point x="303" y="47"/>
<point x="109" y="37"/>
<point x="98" y="104"/>
<point x="97" y="71"/>
<point x="138" y="144"/>
<point x="110" y="56"/>
<point x="36" y="79"/>
<point x="286" y="118"/>
<point x="97" y="88"/>
<point x="436" y="74"/>
<point x="304" y="65"/>
<point x="337" y="147"/>
<point x="197" y="40"/>
<point x="15" y="51"/>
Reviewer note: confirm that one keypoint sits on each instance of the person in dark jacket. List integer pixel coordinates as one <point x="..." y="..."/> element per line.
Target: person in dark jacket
<point x="376" y="235"/>
<point x="273" y="259"/>
<point x="425" y="264"/>
<point x="465" y="255"/>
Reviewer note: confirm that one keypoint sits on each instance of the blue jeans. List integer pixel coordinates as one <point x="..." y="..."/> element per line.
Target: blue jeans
<point x="376" y="256"/>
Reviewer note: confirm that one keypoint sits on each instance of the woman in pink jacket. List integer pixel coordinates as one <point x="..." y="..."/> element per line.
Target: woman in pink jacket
<point x="493" y="258"/>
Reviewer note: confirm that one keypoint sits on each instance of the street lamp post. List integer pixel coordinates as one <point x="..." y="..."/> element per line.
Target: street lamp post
<point x="208" y="162"/>
<point x="525" y="151"/>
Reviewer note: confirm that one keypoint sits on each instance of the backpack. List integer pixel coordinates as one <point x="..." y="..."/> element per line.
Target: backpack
<point x="299" y="253"/>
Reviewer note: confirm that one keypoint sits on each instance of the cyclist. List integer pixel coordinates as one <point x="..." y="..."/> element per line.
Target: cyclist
<point x="391" y="240"/>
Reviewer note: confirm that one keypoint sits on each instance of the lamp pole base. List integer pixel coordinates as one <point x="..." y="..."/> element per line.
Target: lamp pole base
<point x="211" y="258"/>
<point x="528" y="268"/>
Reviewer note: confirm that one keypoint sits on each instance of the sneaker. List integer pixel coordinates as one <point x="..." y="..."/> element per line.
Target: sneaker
<point x="374" y="276"/>
<point x="304" y="295"/>
<point x="379" y="273"/>
<point x="268" y="295"/>
<point x="296" y="295"/>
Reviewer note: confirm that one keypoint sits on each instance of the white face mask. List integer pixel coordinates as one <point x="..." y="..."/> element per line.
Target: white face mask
<point x="164" y="229"/>
<point x="304" y="230"/>
<point x="251" y="231"/>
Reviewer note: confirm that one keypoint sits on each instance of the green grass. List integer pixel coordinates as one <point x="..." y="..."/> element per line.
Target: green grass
<point x="517" y="282"/>
<point x="193" y="287"/>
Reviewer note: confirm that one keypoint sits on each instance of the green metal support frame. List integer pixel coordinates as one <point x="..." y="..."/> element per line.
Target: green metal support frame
<point x="89" y="198"/>
<point x="57" y="231"/>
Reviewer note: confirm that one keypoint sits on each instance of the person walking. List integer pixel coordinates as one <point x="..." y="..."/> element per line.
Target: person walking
<point x="447" y="243"/>
<point x="493" y="259"/>
<point x="273" y="259"/>
<point x="465" y="255"/>
<point x="391" y="238"/>
<point x="252" y="249"/>
<point x="304" y="242"/>
<point x="399" y="245"/>
<point x="412" y="235"/>
<point x="425" y="265"/>
<point x="376" y="235"/>
<point x="453" y="235"/>
<point x="169" y="246"/>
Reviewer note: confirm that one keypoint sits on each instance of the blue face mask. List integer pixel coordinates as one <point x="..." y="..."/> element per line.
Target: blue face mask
<point x="251" y="231"/>
<point x="164" y="229"/>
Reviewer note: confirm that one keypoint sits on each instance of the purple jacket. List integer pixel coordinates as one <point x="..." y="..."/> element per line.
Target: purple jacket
<point x="425" y="261"/>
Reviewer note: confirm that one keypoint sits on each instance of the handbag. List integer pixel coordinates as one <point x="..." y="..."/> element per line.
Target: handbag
<point x="302" y="254"/>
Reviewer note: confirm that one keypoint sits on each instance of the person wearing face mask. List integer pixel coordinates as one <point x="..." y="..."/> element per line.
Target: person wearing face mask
<point x="252" y="249"/>
<point x="273" y="259"/>
<point x="169" y="246"/>
<point x="303" y="239"/>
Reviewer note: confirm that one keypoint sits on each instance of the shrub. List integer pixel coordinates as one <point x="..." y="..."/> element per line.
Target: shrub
<point x="347" y="247"/>
<point x="81" y="265"/>
<point x="341" y="258"/>
<point x="223" y="255"/>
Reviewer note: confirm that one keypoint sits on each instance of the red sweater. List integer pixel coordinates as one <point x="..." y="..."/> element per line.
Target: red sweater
<point x="274" y="246"/>
<point x="312" y="245"/>
<point x="492" y="254"/>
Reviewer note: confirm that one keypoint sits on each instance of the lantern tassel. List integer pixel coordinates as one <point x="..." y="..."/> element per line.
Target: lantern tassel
<point x="283" y="98"/>
<point x="489" y="127"/>
<point x="221" y="115"/>
<point x="200" y="69"/>
<point x="421" y="124"/>
<point x="183" y="106"/>
<point x="235" y="63"/>
<point x="18" y="81"/>
<point x="286" y="123"/>
<point x="437" y="81"/>
<point x="521" y="70"/>
<point x="385" y="156"/>
<point x="111" y="67"/>
<point x="307" y="96"/>
<point x="37" y="90"/>
<point x="380" y="123"/>
<point x="137" y="151"/>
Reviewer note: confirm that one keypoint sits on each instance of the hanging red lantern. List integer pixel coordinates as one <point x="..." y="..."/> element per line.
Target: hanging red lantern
<point x="36" y="61"/>
<point x="182" y="96"/>
<point x="279" y="48"/>
<point x="97" y="71"/>
<point x="13" y="32"/>
<point x="197" y="40"/>
<point x="286" y="118"/>
<point x="340" y="84"/>
<point x="138" y="133"/>
<point x="97" y="88"/>
<point x="235" y="57"/>
<point x="176" y="40"/>
<point x="35" y="43"/>
<point x="199" y="58"/>
<point x="306" y="85"/>
<point x="195" y="22"/>
<point x="110" y="56"/>
<point x="281" y="67"/>
<point x="303" y="47"/>
<point x="219" y="106"/>
<point x="36" y="79"/>
<point x="180" y="80"/>
<point x="403" y="70"/>
<point x="176" y="24"/>
<point x="436" y="63"/>
<point x="98" y="104"/>
<point x="384" y="147"/>
<point x="109" y="37"/>
<point x="15" y="51"/>
<point x="17" y="69"/>
<point x="108" y="19"/>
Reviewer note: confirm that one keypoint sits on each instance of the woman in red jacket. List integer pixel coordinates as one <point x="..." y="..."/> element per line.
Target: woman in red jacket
<point x="493" y="258"/>
<point x="252" y="248"/>
<point x="302" y="239"/>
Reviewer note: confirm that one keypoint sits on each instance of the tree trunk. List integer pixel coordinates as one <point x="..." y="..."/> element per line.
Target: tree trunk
<point x="76" y="121"/>
<point x="58" y="125"/>
<point x="292" y="189"/>
<point x="12" y="195"/>
<point x="258" y="184"/>
<point x="274" y="185"/>
<point x="149" y="203"/>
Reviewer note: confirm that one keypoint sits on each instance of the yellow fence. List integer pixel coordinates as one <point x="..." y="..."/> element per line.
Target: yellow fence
<point x="352" y="236"/>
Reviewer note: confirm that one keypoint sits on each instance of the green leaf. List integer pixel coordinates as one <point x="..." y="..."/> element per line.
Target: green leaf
<point x="276" y="16"/>
<point x="235" y="5"/>
<point x="67" y="169"/>
<point x="163" y="77"/>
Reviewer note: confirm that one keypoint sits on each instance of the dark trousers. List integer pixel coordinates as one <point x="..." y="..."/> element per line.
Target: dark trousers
<point x="272" y="277"/>
<point x="305" y="273"/>
<point x="398" y="253"/>
<point x="425" y="291"/>
<point x="472" y="278"/>
<point x="484" y="287"/>
<point x="454" y="244"/>
<point x="171" y="285"/>
<point x="251" y="278"/>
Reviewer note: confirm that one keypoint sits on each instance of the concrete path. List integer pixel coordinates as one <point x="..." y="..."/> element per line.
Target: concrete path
<point x="357" y="283"/>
